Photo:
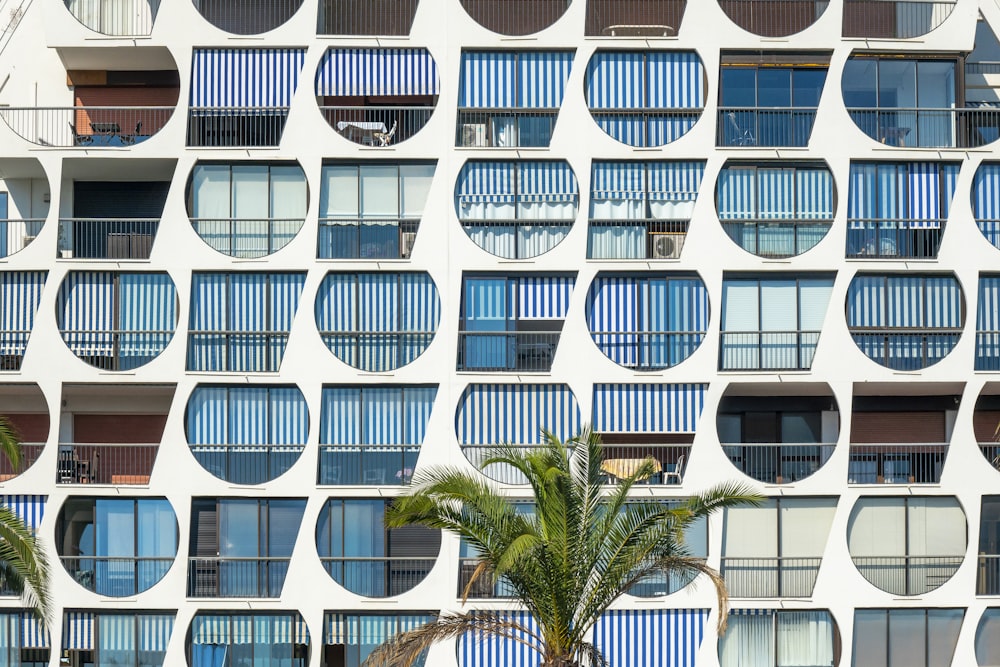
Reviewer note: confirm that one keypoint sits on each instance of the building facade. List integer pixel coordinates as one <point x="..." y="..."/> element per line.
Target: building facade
<point x="262" y="261"/>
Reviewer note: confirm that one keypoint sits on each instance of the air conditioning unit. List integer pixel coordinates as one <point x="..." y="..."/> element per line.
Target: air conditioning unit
<point x="406" y="244"/>
<point x="667" y="246"/>
<point x="473" y="134"/>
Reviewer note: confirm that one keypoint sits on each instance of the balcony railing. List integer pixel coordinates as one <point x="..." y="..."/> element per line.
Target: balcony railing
<point x="17" y="233"/>
<point x="505" y="128"/>
<point x="648" y="350"/>
<point x="906" y="350"/>
<point x="225" y="577"/>
<point x="517" y="239"/>
<point x="368" y="238"/>
<point x="767" y="127"/>
<point x="378" y="577"/>
<point x="770" y="577"/>
<point x="774" y="18"/>
<point x="892" y="19"/>
<point x="897" y="463"/>
<point x="361" y="465"/>
<point x="377" y="126"/>
<point x="907" y="575"/>
<point x="123" y="18"/>
<point x="636" y="239"/>
<point x="218" y="127"/>
<point x="30" y="452"/>
<point x="515" y="17"/>
<point x="988" y="575"/>
<point x="116" y="349"/>
<point x="645" y="128"/>
<point x="894" y="239"/>
<point x="513" y="351"/>
<point x="377" y="351"/>
<point x="987" y="350"/>
<point x="119" y="464"/>
<point x="236" y="351"/>
<point x="776" y="239"/>
<point x="247" y="463"/>
<point x="366" y="17"/>
<point x="85" y="127"/>
<point x="107" y="238"/>
<point x="768" y="350"/>
<point x="484" y="587"/>
<point x="13" y="343"/>
<point x="634" y="18"/>
<point x="929" y="128"/>
<point x="991" y="452"/>
<point x="116" y="576"/>
<point x="247" y="17"/>
<point x="778" y="463"/>
<point x="245" y="238"/>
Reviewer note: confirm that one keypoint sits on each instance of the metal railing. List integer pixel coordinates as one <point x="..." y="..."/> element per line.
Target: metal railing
<point x="892" y="19"/>
<point x="988" y="575"/>
<point x="377" y="351"/>
<point x="484" y="586"/>
<point x="894" y="239"/>
<point x="929" y="128"/>
<point x="896" y="463"/>
<point x="634" y="18"/>
<point x="247" y="238"/>
<point x="216" y="127"/>
<point x="363" y="465"/>
<point x="644" y="128"/>
<point x="367" y="238"/>
<point x="620" y="461"/>
<point x="776" y="238"/>
<point x="660" y="584"/>
<point x="646" y="238"/>
<point x="121" y="18"/>
<point x="765" y="126"/>
<point x="378" y="577"/>
<point x="774" y="18"/>
<point x="770" y="577"/>
<point x="907" y="575"/>
<point x="906" y="349"/>
<point x="116" y="576"/>
<point x="248" y="17"/>
<point x="377" y="126"/>
<point x="116" y="349"/>
<point x="120" y="464"/>
<point x="517" y="239"/>
<point x="779" y="463"/>
<point x="366" y="17"/>
<point x="230" y="577"/>
<point x="767" y="350"/>
<point x="30" y="452"/>
<point x="515" y="17"/>
<point x="988" y="350"/>
<point x="246" y="463"/>
<point x="505" y="128"/>
<point x="647" y="350"/>
<point x="513" y="351"/>
<point x="107" y="238"/>
<point x="17" y="233"/>
<point x="236" y="351"/>
<point x="85" y="127"/>
<point x="991" y="452"/>
<point x="13" y="343"/>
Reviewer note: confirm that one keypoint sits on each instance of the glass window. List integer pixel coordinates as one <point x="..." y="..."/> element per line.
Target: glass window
<point x="905" y="637"/>
<point x="261" y="640"/>
<point x="763" y="638"/>
<point x="738" y="87"/>
<point x="988" y="638"/>
<point x="355" y="636"/>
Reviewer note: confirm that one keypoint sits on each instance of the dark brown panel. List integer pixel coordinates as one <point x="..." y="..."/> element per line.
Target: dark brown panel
<point x="118" y="428"/>
<point x="892" y="427"/>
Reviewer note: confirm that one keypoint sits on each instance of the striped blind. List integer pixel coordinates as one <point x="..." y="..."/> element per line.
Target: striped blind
<point x="645" y="79"/>
<point x="513" y="79"/>
<point x="493" y="413"/>
<point x="918" y="192"/>
<point x="20" y="292"/>
<point x="904" y="301"/>
<point x="375" y="415"/>
<point x="245" y="77"/>
<point x="377" y="72"/>
<point x="647" y="408"/>
<point x="247" y="416"/>
<point x="522" y="181"/>
<point x="775" y="193"/>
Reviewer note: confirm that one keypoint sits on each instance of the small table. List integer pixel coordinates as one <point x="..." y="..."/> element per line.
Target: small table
<point x="622" y="468"/>
<point x="894" y="136"/>
<point x="363" y="129"/>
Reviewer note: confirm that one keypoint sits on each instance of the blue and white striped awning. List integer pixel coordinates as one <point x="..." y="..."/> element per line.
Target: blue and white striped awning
<point x="230" y="629"/>
<point x="648" y="408"/>
<point x="618" y="180"/>
<point x="154" y="631"/>
<point x="988" y="310"/>
<point x="489" y="414"/>
<point x="646" y="637"/>
<point x="86" y="304"/>
<point x="29" y="508"/>
<point x="20" y="292"/>
<point x="33" y="635"/>
<point x="546" y="181"/>
<point x="78" y="630"/>
<point x="904" y="301"/>
<point x="252" y="302"/>
<point x="526" y="180"/>
<point x="675" y="181"/>
<point x="775" y="193"/>
<point x="375" y="415"/>
<point x="544" y="297"/>
<point x="645" y="79"/>
<point x="653" y="302"/>
<point x="353" y="629"/>
<point x="491" y="182"/>
<point x="247" y="415"/>
<point x="986" y="192"/>
<point x="920" y="192"/>
<point x="751" y="612"/>
<point x="513" y="79"/>
<point x="377" y="72"/>
<point x="245" y="77"/>
<point x="476" y="649"/>
<point x="372" y="302"/>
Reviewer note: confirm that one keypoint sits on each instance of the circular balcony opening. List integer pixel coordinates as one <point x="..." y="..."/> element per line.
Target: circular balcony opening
<point x="986" y="201"/>
<point x="116" y="320"/>
<point x="366" y="558"/>
<point x="247" y="210"/>
<point x="647" y="322"/>
<point x="240" y="17"/>
<point x="907" y="545"/>
<point x="780" y="632"/>
<point x="774" y="18"/>
<point x="895" y="19"/>
<point x="116" y="547"/>
<point x="377" y="96"/>
<point x="125" y="18"/>
<point x="986" y="424"/>
<point x="645" y="98"/>
<point x="515" y="17"/>
<point x="988" y="638"/>
<point x="517" y="209"/>
<point x="27" y="413"/>
<point x="775" y="210"/>
<point x="247" y="434"/>
<point x="22" y="213"/>
<point x="905" y="322"/>
<point x="377" y="321"/>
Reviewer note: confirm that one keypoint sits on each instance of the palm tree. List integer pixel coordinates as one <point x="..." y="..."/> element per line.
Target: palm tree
<point x="584" y="545"/>
<point x="23" y="568"/>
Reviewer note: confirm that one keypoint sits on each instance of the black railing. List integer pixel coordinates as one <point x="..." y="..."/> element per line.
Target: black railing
<point x="928" y="127"/>
<point x="378" y="577"/>
<point x="776" y="239"/>
<point x="225" y="577"/>
<point x="991" y="452"/>
<point x="646" y="127"/>
<point x="647" y="350"/>
<point x="114" y="349"/>
<point x="767" y="350"/>
<point x="770" y="577"/>
<point x="367" y="238"/>
<point x="247" y="17"/>
<point x="505" y="128"/>
<point x="988" y="575"/>
<point x="218" y="127"/>
<point x="634" y="18"/>
<point x="13" y="343"/>
<point x="484" y="586"/>
<point x="377" y="351"/>
<point x="512" y="351"/>
<point x="120" y="464"/>
<point x="30" y="451"/>
<point x="17" y="233"/>
<point x="907" y="575"/>
<point x="778" y="463"/>
<point x="515" y="17"/>
<point x="366" y="17"/>
<point x="636" y="239"/>
<point x="517" y="239"/>
<point x="116" y="576"/>
<point x="377" y="125"/>
<point x="774" y="18"/>
<point x="894" y="239"/>
<point x="892" y="19"/>
<point x="247" y="464"/>
<point x="988" y="350"/>
<point x="367" y="465"/>
<point x="246" y="238"/>
<point x="763" y="126"/>
<point x="85" y="127"/>
<point x="896" y="463"/>
<point x="107" y="238"/>
<point x="906" y="350"/>
<point x="257" y="351"/>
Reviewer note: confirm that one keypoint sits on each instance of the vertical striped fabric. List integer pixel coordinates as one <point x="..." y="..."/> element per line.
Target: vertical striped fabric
<point x="647" y="408"/>
<point x="247" y="416"/>
<point x="543" y="297"/>
<point x="988" y="309"/>
<point x="154" y="631"/>
<point x="920" y="192"/>
<point x="369" y="630"/>
<point x="78" y="630"/>
<point x="381" y="72"/>
<point x="675" y="181"/>
<point x="32" y="633"/>
<point x="493" y="413"/>
<point x="986" y="200"/>
<point x="737" y="193"/>
<point x="147" y="303"/>
<point x="116" y="632"/>
<point x="375" y="415"/>
<point x="29" y="508"/>
<point x="20" y="292"/>
<point x="85" y="309"/>
<point x="513" y="79"/>
<point x="646" y="637"/>
<point x="780" y="193"/>
<point x="546" y="181"/>
<point x="645" y="79"/>
<point x="245" y="77"/>
<point x="618" y="180"/>
<point x="526" y="180"/>
<point x="904" y="301"/>
<point x="231" y="629"/>
<point x="481" y="650"/>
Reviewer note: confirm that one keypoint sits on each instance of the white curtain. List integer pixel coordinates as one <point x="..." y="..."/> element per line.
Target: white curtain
<point x="250" y="206"/>
<point x="486" y="210"/>
<point x="534" y="240"/>
<point x="338" y="197"/>
<point x="617" y="209"/>
<point x="741" y="314"/>
<point x="671" y="210"/>
<point x="936" y="528"/>
<point x="750" y="534"/>
<point x="779" y="316"/>
<point x="616" y="242"/>
<point x="805" y="525"/>
<point x="495" y="239"/>
<point x="414" y="185"/>
<point x="504" y="131"/>
<point x="805" y="639"/>
<point x="748" y="642"/>
<point x="546" y="210"/>
<point x="210" y="204"/>
<point x="288" y="204"/>
<point x="876" y="538"/>
<point x="379" y="192"/>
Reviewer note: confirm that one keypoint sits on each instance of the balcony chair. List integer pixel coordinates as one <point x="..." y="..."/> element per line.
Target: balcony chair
<point x="129" y="139"/>
<point x="385" y="137"/>
<point x="676" y="471"/>
<point x="741" y="136"/>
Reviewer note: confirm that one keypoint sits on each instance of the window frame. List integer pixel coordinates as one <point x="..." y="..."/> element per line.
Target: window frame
<point x="927" y="611"/>
<point x="190" y="194"/>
